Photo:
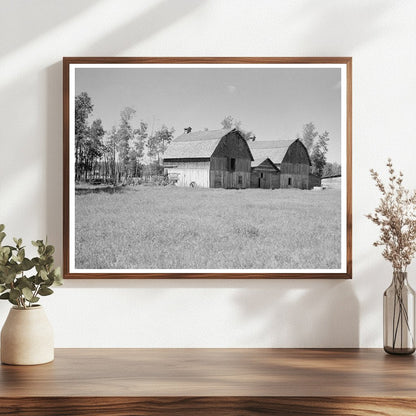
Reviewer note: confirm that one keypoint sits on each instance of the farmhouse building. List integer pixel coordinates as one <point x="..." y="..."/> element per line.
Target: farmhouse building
<point x="291" y="159"/>
<point x="209" y="159"/>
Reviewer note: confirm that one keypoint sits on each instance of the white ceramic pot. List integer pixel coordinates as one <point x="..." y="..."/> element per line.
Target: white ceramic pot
<point x="27" y="337"/>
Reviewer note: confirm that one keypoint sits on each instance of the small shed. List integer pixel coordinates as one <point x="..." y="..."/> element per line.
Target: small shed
<point x="209" y="159"/>
<point x="332" y="181"/>
<point x="290" y="157"/>
<point x="264" y="174"/>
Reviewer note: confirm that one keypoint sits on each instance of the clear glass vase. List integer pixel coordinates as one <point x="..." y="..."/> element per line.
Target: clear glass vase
<point x="399" y="316"/>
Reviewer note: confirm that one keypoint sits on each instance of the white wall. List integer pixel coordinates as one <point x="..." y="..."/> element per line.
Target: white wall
<point x="380" y="35"/>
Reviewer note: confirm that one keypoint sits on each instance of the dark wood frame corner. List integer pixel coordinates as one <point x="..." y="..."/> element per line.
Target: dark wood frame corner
<point x="67" y="61"/>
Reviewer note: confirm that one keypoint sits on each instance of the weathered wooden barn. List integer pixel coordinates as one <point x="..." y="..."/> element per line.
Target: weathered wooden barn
<point x="264" y="174"/>
<point x="209" y="159"/>
<point x="292" y="160"/>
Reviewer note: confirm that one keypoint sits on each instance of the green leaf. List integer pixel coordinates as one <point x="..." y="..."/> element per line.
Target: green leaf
<point x="14" y="269"/>
<point x="49" y="250"/>
<point x="9" y="277"/>
<point x="15" y="294"/>
<point x="45" y="291"/>
<point x="2" y="236"/>
<point x="43" y="274"/>
<point x="48" y="260"/>
<point x="26" y="264"/>
<point x="48" y="282"/>
<point x="7" y="296"/>
<point x="13" y="302"/>
<point x="2" y="226"/>
<point x="5" y="250"/>
<point x="2" y="288"/>
<point x="38" y="280"/>
<point x="17" y="241"/>
<point x="21" y="255"/>
<point x="24" y="282"/>
<point x="27" y="293"/>
<point x="37" y="243"/>
<point x="58" y="280"/>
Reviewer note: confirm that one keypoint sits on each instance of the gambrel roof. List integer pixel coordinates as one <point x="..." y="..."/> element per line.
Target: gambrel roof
<point x="198" y="144"/>
<point x="275" y="150"/>
<point x="264" y="164"/>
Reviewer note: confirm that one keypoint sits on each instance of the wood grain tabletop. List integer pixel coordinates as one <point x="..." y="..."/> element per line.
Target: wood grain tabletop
<point x="201" y="379"/>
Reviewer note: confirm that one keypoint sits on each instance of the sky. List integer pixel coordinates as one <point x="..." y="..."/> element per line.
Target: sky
<point x="273" y="103"/>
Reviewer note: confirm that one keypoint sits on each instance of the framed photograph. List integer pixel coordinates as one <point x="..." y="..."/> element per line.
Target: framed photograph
<point x="207" y="168"/>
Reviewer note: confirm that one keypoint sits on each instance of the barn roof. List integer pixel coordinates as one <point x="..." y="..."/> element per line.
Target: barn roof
<point x="331" y="176"/>
<point x="264" y="162"/>
<point x="202" y="135"/>
<point x="198" y="144"/>
<point x="275" y="150"/>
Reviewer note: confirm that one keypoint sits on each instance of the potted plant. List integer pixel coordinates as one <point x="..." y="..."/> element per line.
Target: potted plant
<point x="396" y="217"/>
<point x="27" y="336"/>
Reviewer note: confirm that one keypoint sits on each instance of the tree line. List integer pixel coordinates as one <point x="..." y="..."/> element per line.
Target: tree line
<point x="317" y="146"/>
<point x="118" y="154"/>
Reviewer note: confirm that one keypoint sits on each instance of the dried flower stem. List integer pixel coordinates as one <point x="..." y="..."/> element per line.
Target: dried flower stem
<point x="396" y="217"/>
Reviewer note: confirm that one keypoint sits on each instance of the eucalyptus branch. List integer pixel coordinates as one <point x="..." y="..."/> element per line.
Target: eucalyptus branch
<point x="16" y="284"/>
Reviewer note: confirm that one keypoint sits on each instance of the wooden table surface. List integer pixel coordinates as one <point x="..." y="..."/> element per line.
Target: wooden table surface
<point x="212" y="381"/>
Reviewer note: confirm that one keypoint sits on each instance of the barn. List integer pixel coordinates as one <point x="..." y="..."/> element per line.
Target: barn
<point x="209" y="159"/>
<point x="290" y="157"/>
<point x="264" y="174"/>
<point x="332" y="181"/>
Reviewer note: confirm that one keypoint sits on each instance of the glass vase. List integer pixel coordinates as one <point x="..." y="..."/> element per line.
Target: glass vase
<point x="399" y="316"/>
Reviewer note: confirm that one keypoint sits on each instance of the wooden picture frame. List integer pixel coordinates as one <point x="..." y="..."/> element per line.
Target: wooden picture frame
<point x="182" y="154"/>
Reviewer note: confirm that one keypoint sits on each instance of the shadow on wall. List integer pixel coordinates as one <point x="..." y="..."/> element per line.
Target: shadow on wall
<point x="301" y="313"/>
<point x="158" y="17"/>
<point x="308" y="313"/>
<point x="39" y="15"/>
<point x="54" y="146"/>
<point x="375" y="276"/>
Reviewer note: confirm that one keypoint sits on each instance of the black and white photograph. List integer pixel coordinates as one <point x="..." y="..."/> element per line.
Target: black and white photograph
<point x="216" y="168"/>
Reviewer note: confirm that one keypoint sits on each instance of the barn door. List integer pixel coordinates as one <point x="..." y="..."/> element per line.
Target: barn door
<point x="228" y="180"/>
<point x="218" y="180"/>
<point x="262" y="180"/>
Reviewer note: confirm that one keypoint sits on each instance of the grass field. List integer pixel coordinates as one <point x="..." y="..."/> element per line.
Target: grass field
<point x="185" y="228"/>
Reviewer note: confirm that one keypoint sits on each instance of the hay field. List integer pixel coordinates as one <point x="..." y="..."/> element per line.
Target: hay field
<point x="184" y="228"/>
